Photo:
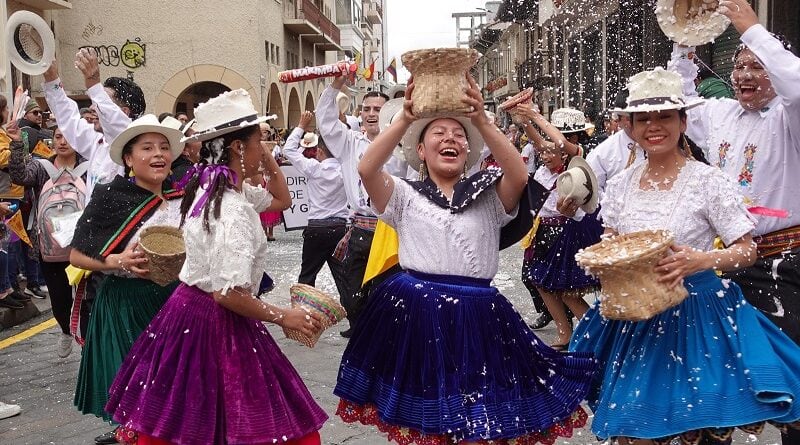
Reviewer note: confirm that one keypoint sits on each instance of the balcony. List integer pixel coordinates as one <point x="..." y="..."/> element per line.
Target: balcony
<point x="366" y="29"/>
<point x="47" y="4"/>
<point x="303" y="17"/>
<point x="373" y="11"/>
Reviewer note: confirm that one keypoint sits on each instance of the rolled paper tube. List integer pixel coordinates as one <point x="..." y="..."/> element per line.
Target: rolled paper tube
<point x="520" y="98"/>
<point x="317" y="72"/>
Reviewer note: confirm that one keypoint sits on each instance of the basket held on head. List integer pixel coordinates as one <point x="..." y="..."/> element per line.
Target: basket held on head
<point x="625" y="266"/>
<point x="316" y="301"/>
<point x="165" y="251"/>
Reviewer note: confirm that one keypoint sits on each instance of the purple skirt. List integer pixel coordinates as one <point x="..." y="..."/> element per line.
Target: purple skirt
<point x="201" y="374"/>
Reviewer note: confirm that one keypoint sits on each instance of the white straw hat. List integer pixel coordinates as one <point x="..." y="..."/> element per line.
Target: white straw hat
<point x="310" y="140"/>
<point x="226" y="113"/>
<point x="569" y="120"/>
<point x="30" y="55"/>
<point x="656" y="90"/>
<point x="411" y="140"/>
<point x="690" y="27"/>
<point x="146" y="124"/>
<point x="579" y="183"/>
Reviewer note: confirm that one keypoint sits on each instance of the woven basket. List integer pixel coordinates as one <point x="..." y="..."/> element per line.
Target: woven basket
<point x="314" y="300"/>
<point x="625" y="266"/>
<point x="165" y="251"/>
<point x="439" y="80"/>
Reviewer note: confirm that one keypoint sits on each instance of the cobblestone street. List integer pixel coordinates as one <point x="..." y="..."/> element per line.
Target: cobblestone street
<point x="32" y="375"/>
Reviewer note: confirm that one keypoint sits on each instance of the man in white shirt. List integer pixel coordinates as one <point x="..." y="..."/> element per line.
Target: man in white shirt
<point x="755" y="140"/>
<point x="348" y="147"/>
<point x="117" y="101"/>
<point x="327" y="204"/>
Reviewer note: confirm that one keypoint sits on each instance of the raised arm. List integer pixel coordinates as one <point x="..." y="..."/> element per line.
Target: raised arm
<point x="515" y="173"/>
<point x="333" y="131"/>
<point x="281" y="200"/>
<point x="113" y="119"/>
<point x="528" y="114"/>
<point x="79" y="133"/>
<point x="292" y="152"/>
<point x="379" y="184"/>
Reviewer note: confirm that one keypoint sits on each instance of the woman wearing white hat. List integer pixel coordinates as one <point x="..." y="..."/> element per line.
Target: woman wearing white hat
<point x="713" y="362"/>
<point x="439" y="356"/>
<point x="105" y="240"/>
<point x="214" y="373"/>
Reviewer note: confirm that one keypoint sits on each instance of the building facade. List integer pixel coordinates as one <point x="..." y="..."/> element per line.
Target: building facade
<point x="580" y="53"/>
<point x="184" y="51"/>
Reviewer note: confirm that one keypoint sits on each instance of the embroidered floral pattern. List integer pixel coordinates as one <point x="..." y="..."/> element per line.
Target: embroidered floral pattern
<point x="368" y="415"/>
<point x="723" y="153"/>
<point x="746" y="175"/>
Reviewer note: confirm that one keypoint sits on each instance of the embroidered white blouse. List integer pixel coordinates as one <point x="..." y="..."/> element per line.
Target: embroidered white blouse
<point x="234" y="251"/>
<point x="701" y="204"/>
<point x="760" y="150"/>
<point x="434" y="240"/>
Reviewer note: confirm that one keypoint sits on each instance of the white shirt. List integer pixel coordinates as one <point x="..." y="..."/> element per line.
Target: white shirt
<point x="759" y="150"/>
<point x="701" y="204"/>
<point x="325" y="186"/>
<point x="611" y="157"/>
<point x="348" y="146"/>
<point x="435" y="240"/>
<point x="529" y="156"/>
<point x="81" y="135"/>
<point x="233" y="253"/>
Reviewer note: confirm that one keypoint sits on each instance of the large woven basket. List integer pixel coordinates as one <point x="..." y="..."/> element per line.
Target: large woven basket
<point x="625" y="266"/>
<point x="315" y="301"/>
<point x="165" y="251"/>
<point x="439" y="80"/>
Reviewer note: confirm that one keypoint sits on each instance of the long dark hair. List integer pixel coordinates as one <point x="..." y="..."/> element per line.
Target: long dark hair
<point x="688" y="146"/>
<point x="208" y="151"/>
<point x="3" y="106"/>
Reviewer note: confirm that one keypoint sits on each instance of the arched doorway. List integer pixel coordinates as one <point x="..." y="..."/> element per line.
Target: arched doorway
<point x="196" y="94"/>
<point x="294" y="108"/>
<point x="183" y="80"/>
<point x="275" y="106"/>
<point x="311" y="107"/>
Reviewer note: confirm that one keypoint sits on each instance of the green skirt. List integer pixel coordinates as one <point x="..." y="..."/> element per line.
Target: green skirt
<point x="122" y="309"/>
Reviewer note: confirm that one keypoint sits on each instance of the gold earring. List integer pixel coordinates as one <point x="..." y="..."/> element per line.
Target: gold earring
<point x="687" y="148"/>
<point x="131" y="174"/>
<point x="423" y="171"/>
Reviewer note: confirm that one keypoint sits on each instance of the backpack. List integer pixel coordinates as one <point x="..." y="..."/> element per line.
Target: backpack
<point x="62" y="195"/>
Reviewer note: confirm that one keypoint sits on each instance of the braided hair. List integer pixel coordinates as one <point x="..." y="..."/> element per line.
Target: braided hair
<point x="213" y="152"/>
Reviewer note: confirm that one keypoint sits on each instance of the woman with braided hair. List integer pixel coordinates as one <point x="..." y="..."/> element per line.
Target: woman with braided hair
<point x="213" y="373"/>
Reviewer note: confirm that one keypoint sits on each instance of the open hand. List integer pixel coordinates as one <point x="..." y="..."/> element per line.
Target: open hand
<point x="683" y="262"/>
<point x="13" y="131"/>
<point x="86" y="62"/>
<point x="740" y="12"/>
<point x="52" y="71"/>
<point x="408" y="104"/>
<point x="305" y="120"/>
<point x="567" y="206"/>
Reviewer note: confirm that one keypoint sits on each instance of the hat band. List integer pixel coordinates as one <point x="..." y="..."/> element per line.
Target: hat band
<point x="587" y="184"/>
<point x="233" y="123"/>
<point x="655" y="101"/>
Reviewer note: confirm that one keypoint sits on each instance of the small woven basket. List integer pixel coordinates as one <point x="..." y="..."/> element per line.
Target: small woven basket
<point x="625" y="266"/>
<point x="165" y="251"/>
<point x="439" y="80"/>
<point x="314" y="300"/>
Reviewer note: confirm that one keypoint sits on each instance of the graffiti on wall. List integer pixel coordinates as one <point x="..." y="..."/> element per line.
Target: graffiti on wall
<point x="91" y="30"/>
<point x="132" y="54"/>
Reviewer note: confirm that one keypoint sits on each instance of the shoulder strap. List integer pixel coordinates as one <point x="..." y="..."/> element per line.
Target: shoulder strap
<point x="80" y="170"/>
<point x="51" y="169"/>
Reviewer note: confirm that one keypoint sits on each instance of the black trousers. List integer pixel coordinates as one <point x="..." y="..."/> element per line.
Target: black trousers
<point x="773" y="286"/>
<point x="319" y="241"/>
<point x="355" y="264"/>
<point x="55" y="276"/>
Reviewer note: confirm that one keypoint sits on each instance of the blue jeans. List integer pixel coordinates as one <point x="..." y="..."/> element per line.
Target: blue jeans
<point x="4" y="283"/>
<point x="19" y="262"/>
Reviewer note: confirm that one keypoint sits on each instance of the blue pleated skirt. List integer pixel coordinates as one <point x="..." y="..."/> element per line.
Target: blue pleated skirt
<point x="711" y="362"/>
<point x="450" y="356"/>
<point x="550" y="260"/>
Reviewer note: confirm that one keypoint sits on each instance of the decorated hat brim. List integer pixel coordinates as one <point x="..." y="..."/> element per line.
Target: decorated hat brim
<point x="212" y="133"/>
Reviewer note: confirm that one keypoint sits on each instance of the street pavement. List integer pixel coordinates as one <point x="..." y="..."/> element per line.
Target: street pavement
<point x="33" y="376"/>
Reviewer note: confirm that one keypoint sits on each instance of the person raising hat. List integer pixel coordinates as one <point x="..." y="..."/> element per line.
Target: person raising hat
<point x="454" y="355"/>
<point x="721" y="354"/>
<point x="105" y="240"/>
<point x="246" y="391"/>
<point x="117" y="101"/>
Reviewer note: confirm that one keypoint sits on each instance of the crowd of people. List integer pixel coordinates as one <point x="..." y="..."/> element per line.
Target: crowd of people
<point x="436" y="354"/>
